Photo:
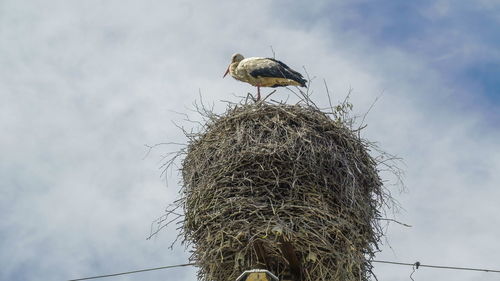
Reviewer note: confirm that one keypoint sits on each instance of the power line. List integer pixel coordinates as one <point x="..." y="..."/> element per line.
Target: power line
<point x="439" y="266"/>
<point x="135" y="271"/>
<point x="416" y="264"/>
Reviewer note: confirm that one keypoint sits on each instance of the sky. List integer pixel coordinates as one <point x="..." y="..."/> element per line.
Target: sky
<point x="85" y="85"/>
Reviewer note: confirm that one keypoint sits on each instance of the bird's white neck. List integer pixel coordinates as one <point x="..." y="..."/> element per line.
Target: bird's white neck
<point x="232" y="68"/>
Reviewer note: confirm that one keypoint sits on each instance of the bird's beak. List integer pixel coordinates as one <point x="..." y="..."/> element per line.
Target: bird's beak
<point x="227" y="71"/>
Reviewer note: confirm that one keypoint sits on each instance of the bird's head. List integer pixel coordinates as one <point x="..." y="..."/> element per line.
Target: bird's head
<point x="236" y="58"/>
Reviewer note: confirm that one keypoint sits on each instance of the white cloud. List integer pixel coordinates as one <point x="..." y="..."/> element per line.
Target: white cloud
<point x="85" y="84"/>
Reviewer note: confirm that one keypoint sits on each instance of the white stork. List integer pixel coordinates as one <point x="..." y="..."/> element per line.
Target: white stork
<point x="263" y="72"/>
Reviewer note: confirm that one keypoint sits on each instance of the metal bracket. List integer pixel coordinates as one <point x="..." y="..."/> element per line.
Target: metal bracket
<point x="257" y="274"/>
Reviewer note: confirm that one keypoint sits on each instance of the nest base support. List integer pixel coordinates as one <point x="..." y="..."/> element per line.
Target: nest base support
<point x="257" y="275"/>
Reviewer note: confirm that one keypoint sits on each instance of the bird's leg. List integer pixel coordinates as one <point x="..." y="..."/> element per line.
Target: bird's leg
<point x="258" y="92"/>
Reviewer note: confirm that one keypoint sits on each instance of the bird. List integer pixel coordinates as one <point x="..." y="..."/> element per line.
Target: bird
<point x="263" y="72"/>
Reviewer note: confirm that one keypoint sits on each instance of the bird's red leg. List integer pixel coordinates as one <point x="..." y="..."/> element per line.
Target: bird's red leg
<point x="258" y="92"/>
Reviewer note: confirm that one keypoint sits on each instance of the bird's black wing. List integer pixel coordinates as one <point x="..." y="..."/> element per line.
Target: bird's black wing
<point x="276" y="68"/>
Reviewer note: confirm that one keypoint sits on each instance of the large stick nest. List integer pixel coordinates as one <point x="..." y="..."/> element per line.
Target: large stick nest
<point x="281" y="187"/>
